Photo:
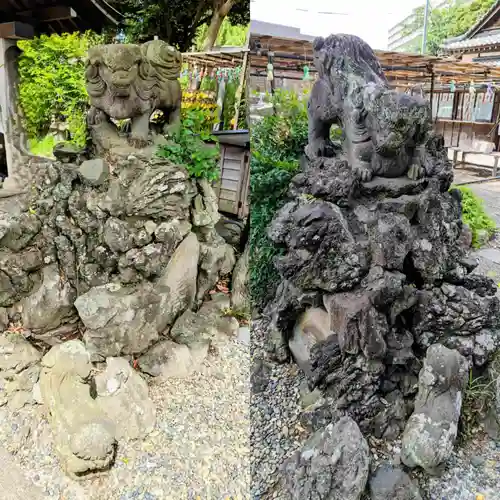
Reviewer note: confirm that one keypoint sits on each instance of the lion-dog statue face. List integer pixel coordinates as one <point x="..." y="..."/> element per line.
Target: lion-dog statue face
<point x="132" y="81"/>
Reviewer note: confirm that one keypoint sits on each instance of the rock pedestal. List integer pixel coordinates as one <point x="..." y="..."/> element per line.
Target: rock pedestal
<point x="113" y="262"/>
<point x="373" y="268"/>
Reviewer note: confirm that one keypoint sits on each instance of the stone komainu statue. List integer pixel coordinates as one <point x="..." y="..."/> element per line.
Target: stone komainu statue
<point x="385" y="131"/>
<point x="132" y="81"/>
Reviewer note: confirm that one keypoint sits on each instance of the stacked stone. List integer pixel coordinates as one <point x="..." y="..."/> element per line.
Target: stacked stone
<point x="112" y="263"/>
<point x="376" y="279"/>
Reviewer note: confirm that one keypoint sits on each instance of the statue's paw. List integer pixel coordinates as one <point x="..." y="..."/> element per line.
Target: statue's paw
<point x="310" y="152"/>
<point x="95" y="116"/>
<point x="416" y="172"/>
<point x="320" y="149"/>
<point x="364" y="174"/>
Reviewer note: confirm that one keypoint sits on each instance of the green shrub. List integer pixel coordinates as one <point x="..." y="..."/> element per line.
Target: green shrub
<point x="278" y="142"/>
<point x="52" y="83"/>
<point x="43" y="146"/>
<point x="474" y="215"/>
<point x="188" y="147"/>
<point x="478" y="394"/>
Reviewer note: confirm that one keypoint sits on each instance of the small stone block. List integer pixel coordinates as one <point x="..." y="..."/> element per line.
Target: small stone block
<point x="94" y="172"/>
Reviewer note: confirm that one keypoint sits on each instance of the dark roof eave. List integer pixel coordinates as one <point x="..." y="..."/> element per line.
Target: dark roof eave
<point x="106" y="10"/>
<point x="90" y="14"/>
<point x="475" y="48"/>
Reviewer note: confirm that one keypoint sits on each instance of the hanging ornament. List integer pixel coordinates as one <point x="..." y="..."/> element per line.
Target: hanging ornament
<point x="489" y="90"/>
<point x="306" y="76"/>
<point x="270" y="71"/>
<point x="452" y="86"/>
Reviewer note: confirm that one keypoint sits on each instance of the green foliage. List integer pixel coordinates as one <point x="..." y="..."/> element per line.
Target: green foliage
<point x="229" y="102"/>
<point x="242" y="116"/>
<point x="478" y="394"/>
<point x="208" y="84"/>
<point x="230" y="106"/>
<point x="474" y="215"/>
<point x="229" y="35"/>
<point x="278" y="142"/>
<point x="52" y="83"/>
<point x="188" y="147"/>
<point x="174" y="21"/>
<point x="448" y="22"/>
<point x="201" y="106"/>
<point x="43" y="146"/>
<point x="243" y="316"/>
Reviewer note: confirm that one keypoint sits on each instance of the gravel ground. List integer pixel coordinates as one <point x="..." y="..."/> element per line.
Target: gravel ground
<point x="472" y="470"/>
<point x="274" y="411"/>
<point x="200" y="446"/>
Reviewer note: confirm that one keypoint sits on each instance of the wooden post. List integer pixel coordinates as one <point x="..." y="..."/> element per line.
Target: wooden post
<point x="437" y="109"/>
<point x="472" y="128"/>
<point x="455" y="156"/>
<point x="432" y="87"/>
<point x="239" y="91"/>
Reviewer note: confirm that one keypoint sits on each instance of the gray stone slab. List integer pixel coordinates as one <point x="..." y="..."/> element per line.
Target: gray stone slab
<point x="492" y="254"/>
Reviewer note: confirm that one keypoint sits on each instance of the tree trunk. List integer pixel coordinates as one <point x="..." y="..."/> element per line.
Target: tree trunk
<point x="221" y="10"/>
<point x="213" y="31"/>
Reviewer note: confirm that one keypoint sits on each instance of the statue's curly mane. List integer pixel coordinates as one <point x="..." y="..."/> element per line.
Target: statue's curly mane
<point x="164" y="59"/>
<point x="342" y="57"/>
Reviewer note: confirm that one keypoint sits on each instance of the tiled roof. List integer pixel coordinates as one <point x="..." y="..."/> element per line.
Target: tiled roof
<point x="473" y="42"/>
<point x="263" y="28"/>
<point x="495" y="64"/>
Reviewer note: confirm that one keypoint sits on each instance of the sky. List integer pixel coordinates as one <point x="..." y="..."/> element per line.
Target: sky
<point x="368" y="19"/>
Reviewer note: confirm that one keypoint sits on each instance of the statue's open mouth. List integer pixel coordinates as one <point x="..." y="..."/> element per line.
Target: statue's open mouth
<point x="120" y="91"/>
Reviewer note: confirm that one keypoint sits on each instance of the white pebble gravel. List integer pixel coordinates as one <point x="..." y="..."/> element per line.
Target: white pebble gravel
<point x="199" y="447"/>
